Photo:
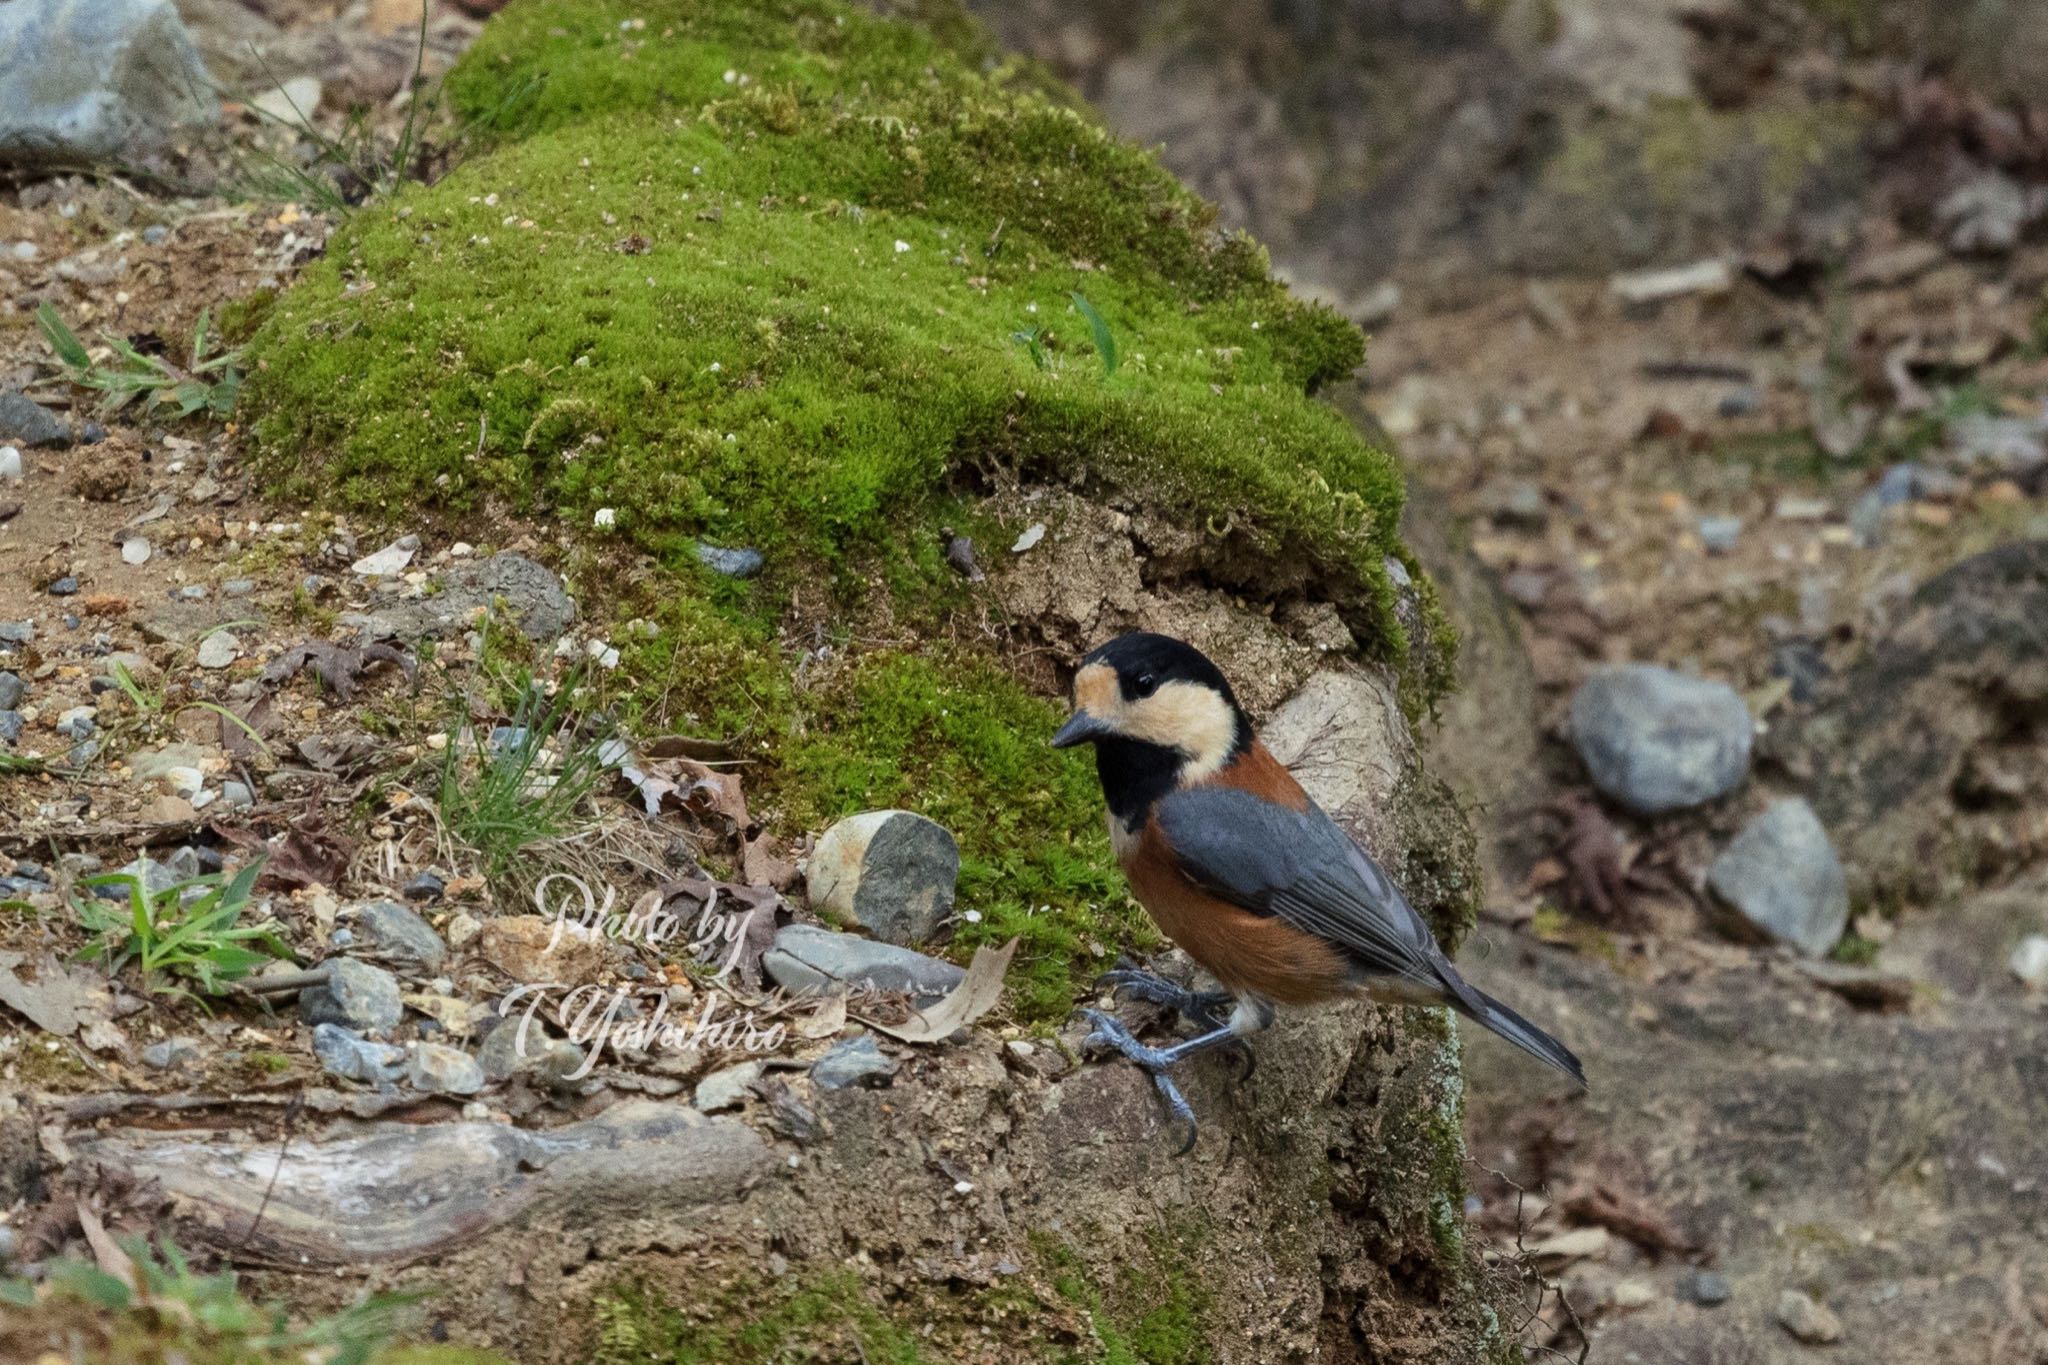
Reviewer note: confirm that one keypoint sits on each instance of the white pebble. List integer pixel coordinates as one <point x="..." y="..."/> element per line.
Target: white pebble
<point x="2030" y="961"/>
<point x="10" y="463"/>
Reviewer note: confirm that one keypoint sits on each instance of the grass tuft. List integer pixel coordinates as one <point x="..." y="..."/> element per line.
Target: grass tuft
<point x="191" y="932"/>
<point x="210" y="385"/>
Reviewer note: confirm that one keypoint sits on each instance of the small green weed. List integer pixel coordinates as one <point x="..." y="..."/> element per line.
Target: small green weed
<point x="1105" y="339"/>
<point x="168" y="1311"/>
<point x="210" y="385"/>
<point x="190" y="931"/>
<point x="1032" y="339"/>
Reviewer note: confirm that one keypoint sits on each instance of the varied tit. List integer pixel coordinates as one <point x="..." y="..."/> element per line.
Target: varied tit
<point x="1242" y="870"/>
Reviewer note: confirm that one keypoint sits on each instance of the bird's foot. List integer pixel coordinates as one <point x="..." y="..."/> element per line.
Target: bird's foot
<point x="1205" y="1009"/>
<point x="1109" y="1032"/>
<point x="1208" y="1011"/>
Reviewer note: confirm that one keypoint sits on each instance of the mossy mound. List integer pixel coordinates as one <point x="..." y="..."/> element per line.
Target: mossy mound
<point x="784" y="275"/>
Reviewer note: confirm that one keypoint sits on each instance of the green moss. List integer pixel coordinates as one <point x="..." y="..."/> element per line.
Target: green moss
<point x="1155" y="1310"/>
<point x="780" y="312"/>
<point x="1681" y="155"/>
<point x="1440" y="867"/>
<point x="1856" y="950"/>
<point x="826" y="1319"/>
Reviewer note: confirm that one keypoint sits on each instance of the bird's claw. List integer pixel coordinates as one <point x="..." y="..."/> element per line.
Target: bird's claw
<point x="1204" y="1009"/>
<point x="1109" y="1032"/>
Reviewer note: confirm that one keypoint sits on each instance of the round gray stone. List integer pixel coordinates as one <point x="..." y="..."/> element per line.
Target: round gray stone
<point x="1657" y="740"/>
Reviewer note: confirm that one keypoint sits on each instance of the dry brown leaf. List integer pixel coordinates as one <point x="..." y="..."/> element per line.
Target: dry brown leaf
<point x="258" y="717"/>
<point x="1624" y="1213"/>
<point x="975" y="996"/>
<point x="310" y="855"/>
<point x="763" y="862"/>
<point x="460" y="1017"/>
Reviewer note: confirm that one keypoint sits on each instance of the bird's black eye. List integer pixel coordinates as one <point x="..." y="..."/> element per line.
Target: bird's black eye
<point x="1145" y="685"/>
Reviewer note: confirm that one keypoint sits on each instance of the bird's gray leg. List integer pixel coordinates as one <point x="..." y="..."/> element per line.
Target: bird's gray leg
<point x="1109" y="1032"/>
<point x="1206" y="1010"/>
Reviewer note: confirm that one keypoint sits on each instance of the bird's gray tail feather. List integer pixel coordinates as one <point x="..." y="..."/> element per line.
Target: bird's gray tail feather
<point x="1484" y="1009"/>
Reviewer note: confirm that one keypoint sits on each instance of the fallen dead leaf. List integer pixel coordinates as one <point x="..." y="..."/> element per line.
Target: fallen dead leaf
<point x="310" y="855"/>
<point x="111" y="1258"/>
<point x="826" y="1021"/>
<point x="338" y="667"/>
<point x="1618" y="1211"/>
<point x="54" y="995"/>
<point x="975" y="996"/>
<point x="764" y="863"/>
<point x="460" y="1017"/>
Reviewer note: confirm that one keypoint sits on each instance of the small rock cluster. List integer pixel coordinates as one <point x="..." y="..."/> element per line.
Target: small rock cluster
<point x="1658" y="742"/>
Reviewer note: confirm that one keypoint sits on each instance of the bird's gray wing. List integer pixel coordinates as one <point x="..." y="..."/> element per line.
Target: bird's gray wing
<point x="1300" y="866"/>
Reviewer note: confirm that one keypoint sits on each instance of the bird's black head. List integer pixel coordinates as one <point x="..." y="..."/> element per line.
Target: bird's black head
<point x="1159" y="714"/>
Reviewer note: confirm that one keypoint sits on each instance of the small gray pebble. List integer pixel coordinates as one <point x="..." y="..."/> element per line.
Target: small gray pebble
<point x="66" y="586"/>
<point x="169" y="1053"/>
<point x="1708" y="1288"/>
<point x="733" y="563"/>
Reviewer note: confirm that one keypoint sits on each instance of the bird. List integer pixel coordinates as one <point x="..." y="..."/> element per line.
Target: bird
<point x="1239" y="866"/>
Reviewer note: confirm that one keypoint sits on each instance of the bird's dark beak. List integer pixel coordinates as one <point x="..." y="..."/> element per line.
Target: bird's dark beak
<point x="1081" y="728"/>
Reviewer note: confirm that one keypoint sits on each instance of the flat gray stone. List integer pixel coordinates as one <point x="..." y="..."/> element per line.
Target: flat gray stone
<point x="96" y="80"/>
<point x="439" y="1069"/>
<point x="807" y="960"/>
<point x="549" y="1061"/>
<point x="727" y="1088"/>
<point x="170" y="1052"/>
<point x="890" y="871"/>
<point x="857" y="1061"/>
<point x="395" y="934"/>
<point x="24" y="420"/>
<point x="1782" y="874"/>
<point x="1657" y="740"/>
<point x="527" y="593"/>
<point x="347" y="1054"/>
<point x="356" y="995"/>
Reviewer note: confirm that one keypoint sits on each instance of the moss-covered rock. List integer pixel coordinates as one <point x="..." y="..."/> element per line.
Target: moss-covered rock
<point x="788" y="276"/>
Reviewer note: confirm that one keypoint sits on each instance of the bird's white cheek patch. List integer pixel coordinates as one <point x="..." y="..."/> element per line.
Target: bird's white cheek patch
<point x="1191" y="718"/>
